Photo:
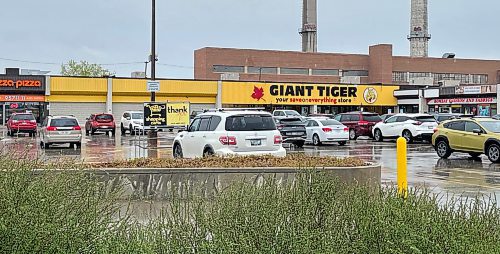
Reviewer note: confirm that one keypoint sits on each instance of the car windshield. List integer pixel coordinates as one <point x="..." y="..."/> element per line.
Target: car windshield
<point x="64" y="122"/>
<point x="104" y="117"/>
<point x="330" y="122"/>
<point x="250" y="123"/>
<point x="372" y="118"/>
<point x="23" y="117"/>
<point x="493" y="126"/>
<point x="291" y="121"/>
<point x="137" y="116"/>
<point x="292" y="113"/>
<point x="426" y="119"/>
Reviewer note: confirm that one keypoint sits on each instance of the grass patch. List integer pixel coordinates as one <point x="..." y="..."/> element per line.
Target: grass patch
<point x="57" y="212"/>
<point x="291" y="160"/>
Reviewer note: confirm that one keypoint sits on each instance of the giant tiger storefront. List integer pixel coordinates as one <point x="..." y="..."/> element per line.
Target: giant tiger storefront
<point x="84" y="96"/>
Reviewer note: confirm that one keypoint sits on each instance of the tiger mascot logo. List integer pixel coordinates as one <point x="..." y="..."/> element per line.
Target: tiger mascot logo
<point x="370" y="95"/>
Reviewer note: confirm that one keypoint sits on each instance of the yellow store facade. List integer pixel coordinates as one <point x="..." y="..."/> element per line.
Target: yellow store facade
<point x="84" y="96"/>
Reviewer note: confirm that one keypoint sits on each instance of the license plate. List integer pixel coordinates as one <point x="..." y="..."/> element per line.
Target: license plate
<point x="65" y="132"/>
<point x="297" y="133"/>
<point x="430" y="127"/>
<point x="255" y="142"/>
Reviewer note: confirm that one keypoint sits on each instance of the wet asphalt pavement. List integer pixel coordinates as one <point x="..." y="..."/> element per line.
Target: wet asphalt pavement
<point x="458" y="175"/>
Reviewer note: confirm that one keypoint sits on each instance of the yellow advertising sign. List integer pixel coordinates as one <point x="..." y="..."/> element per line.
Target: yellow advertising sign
<point x="177" y="113"/>
<point x="307" y="94"/>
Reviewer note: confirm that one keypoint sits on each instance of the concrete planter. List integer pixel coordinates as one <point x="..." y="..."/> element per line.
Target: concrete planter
<point x="162" y="183"/>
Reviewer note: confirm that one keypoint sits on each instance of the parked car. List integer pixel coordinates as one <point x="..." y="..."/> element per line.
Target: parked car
<point x="496" y="117"/>
<point x="359" y="123"/>
<point x="60" y="130"/>
<point x="132" y="121"/>
<point x="473" y="136"/>
<point x="100" y="122"/>
<point x="322" y="130"/>
<point x="409" y="126"/>
<point x="441" y="117"/>
<point x="226" y="133"/>
<point x="21" y="123"/>
<point x="285" y="113"/>
<point x="293" y="130"/>
<point x="321" y="116"/>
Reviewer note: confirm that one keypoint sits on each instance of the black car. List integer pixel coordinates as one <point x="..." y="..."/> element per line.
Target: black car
<point x="293" y="130"/>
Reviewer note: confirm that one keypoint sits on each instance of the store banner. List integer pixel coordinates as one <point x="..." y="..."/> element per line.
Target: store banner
<point x="307" y="94"/>
<point x="22" y="98"/>
<point x="476" y="89"/>
<point x="178" y="113"/>
<point x="155" y="114"/>
<point x="452" y="101"/>
<point x="22" y="84"/>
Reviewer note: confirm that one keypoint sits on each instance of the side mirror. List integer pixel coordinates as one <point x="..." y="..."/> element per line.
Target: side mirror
<point x="477" y="131"/>
<point x="128" y="118"/>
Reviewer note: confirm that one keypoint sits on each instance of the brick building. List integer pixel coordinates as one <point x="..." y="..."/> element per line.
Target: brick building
<point x="379" y="66"/>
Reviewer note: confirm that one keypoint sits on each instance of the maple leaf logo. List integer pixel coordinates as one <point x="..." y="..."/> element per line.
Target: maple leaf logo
<point x="258" y="93"/>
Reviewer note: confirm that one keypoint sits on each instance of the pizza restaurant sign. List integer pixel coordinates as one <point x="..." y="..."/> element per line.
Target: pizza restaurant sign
<point x="305" y="94"/>
<point x="462" y="101"/>
<point x="22" y="83"/>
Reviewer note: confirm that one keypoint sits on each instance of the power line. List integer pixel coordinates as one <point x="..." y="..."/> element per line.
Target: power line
<point x="104" y="64"/>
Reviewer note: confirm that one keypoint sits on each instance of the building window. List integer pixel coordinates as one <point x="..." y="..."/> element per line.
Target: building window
<point x="420" y="75"/>
<point x="479" y="79"/>
<point x="225" y="68"/>
<point x="325" y="72"/>
<point x="295" y="71"/>
<point x="262" y="70"/>
<point x="349" y="73"/>
<point x="400" y="77"/>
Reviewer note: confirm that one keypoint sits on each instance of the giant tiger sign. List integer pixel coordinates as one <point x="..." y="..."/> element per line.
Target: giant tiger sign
<point x="307" y="94"/>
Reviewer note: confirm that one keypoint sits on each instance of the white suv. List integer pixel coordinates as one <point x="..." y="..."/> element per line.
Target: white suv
<point x="223" y="132"/>
<point x="132" y="121"/>
<point x="409" y="126"/>
<point x="60" y="130"/>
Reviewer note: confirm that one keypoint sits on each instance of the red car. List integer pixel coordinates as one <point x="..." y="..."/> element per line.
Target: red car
<point x="359" y="123"/>
<point x="100" y="122"/>
<point x="21" y="123"/>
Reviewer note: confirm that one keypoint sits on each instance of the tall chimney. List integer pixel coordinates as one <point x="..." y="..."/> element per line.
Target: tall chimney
<point x="309" y="26"/>
<point x="419" y="30"/>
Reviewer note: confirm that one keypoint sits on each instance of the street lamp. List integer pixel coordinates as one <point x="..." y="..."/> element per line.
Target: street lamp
<point x="153" y="45"/>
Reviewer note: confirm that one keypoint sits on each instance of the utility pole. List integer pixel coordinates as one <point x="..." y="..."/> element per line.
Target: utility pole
<point x="153" y="45"/>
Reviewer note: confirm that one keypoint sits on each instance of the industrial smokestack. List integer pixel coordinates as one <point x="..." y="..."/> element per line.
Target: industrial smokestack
<point x="419" y="31"/>
<point x="309" y="26"/>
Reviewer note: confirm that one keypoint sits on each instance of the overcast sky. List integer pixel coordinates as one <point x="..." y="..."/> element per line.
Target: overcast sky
<point x="118" y="31"/>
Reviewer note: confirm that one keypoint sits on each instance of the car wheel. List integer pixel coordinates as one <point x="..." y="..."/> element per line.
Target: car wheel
<point x="443" y="149"/>
<point x="208" y="152"/>
<point x="474" y="155"/>
<point x="407" y="135"/>
<point x="378" y="135"/>
<point x="122" y="129"/>
<point x="78" y="145"/>
<point x="86" y="132"/>
<point x="316" y="140"/>
<point x="46" y="145"/>
<point x="177" y="153"/>
<point x="92" y="131"/>
<point x="299" y="144"/>
<point x="342" y="143"/>
<point x="132" y="131"/>
<point x="352" y="134"/>
<point x="493" y="153"/>
<point x="113" y="133"/>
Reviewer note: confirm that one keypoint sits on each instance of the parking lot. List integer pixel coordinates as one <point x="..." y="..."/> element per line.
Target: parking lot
<point x="459" y="175"/>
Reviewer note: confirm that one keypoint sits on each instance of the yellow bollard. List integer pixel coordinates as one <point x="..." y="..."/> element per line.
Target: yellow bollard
<point x="402" y="177"/>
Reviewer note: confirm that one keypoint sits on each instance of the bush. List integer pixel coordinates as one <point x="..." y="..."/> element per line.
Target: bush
<point x="70" y="212"/>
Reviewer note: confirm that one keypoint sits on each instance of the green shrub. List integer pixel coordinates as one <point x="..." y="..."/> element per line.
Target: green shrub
<point x="72" y="212"/>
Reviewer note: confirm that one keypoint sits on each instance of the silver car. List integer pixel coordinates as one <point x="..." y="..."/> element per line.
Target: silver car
<point x="60" y="130"/>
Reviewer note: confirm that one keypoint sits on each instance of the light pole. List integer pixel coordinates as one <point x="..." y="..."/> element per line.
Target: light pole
<point x="153" y="45"/>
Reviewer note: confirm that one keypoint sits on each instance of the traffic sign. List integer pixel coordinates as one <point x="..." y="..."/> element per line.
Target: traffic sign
<point x="153" y="86"/>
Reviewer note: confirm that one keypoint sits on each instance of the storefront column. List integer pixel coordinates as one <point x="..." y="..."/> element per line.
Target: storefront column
<point x="498" y="98"/>
<point x="314" y="109"/>
<point x="218" y="98"/>
<point x="109" y="97"/>
<point x="422" y="103"/>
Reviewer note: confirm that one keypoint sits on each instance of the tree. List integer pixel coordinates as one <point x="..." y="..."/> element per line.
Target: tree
<point x="84" y="68"/>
